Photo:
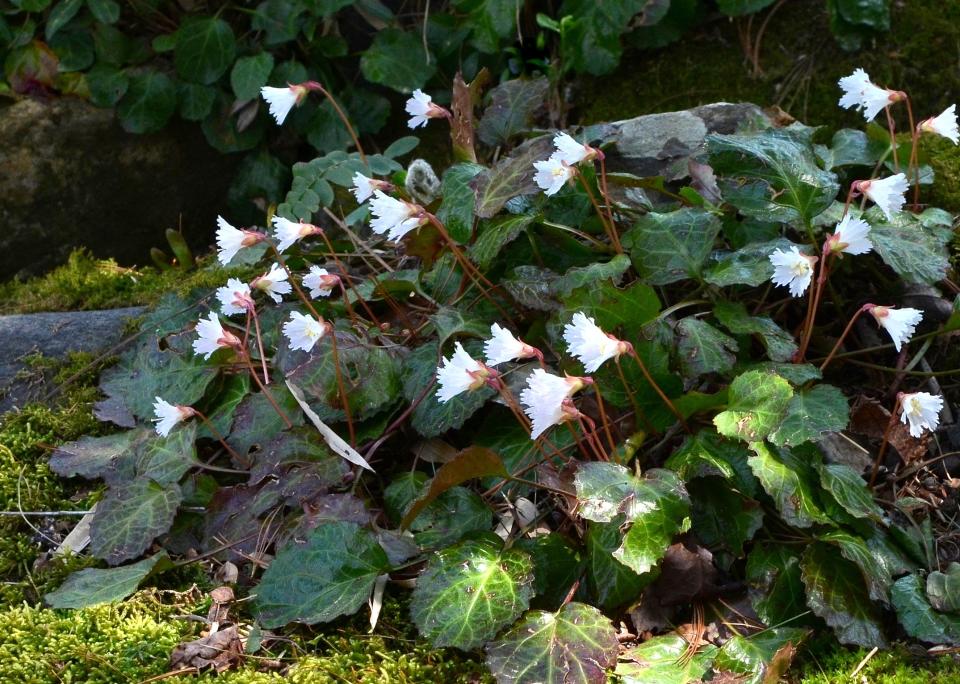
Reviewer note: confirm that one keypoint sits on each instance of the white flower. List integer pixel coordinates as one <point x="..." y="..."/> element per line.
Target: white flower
<point x="944" y="124"/>
<point x="899" y="323"/>
<point x="230" y="240"/>
<point x="552" y="174"/>
<point x="320" y="281"/>
<point x="922" y="410"/>
<point x="303" y="331"/>
<point x="282" y="100"/>
<point x="886" y="193"/>
<point x="503" y="346"/>
<point x="421" y="109"/>
<point x="860" y="92"/>
<point x="234" y="297"/>
<point x="363" y="187"/>
<point x="460" y="373"/>
<point x="590" y="344"/>
<point x="571" y="152"/>
<point x="792" y="269"/>
<point x="167" y="415"/>
<point x="211" y="336"/>
<point x="394" y="217"/>
<point x="273" y="283"/>
<point x="546" y="399"/>
<point x="850" y="236"/>
<point x="288" y="232"/>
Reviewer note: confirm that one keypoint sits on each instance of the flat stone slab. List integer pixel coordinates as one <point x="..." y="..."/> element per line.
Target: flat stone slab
<point x="54" y="335"/>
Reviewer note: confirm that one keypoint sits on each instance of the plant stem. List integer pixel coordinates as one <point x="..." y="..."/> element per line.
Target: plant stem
<point x="660" y="392"/>
<point x="914" y="155"/>
<point x="263" y="356"/>
<point x="843" y="335"/>
<point x="219" y="437"/>
<point x="822" y="274"/>
<point x="637" y="411"/>
<point x="893" y="138"/>
<point x="884" y="442"/>
<point x="603" y="417"/>
<point x="265" y="391"/>
<point x="346" y="122"/>
<point x="608" y="229"/>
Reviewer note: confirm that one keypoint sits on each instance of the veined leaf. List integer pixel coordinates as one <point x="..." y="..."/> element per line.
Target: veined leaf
<point x="661" y="660"/>
<point x="704" y="349"/>
<point x="131" y="516"/>
<point x="810" y="414"/>
<point x="670" y="247"/>
<point x="918" y="617"/>
<point x="92" y="586"/>
<point x="789" y="482"/>
<point x="758" y="403"/>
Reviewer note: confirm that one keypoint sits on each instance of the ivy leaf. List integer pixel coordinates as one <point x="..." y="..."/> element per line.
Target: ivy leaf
<point x="836" y="593"/>
<point x="667" y="248"/>
<point x="445" y="519"/>
<point x="618" y="311"/>
<point x="450" y="322"/>
<point x="512" y="106"/>
<point x="107" y="85"/>
<point x="494" y="235"/>
<point x="510" y="177"/>
<point x="782" y="159"/>
<point x="92" y="586"/>
<point x="724" y="519"/>
<point x="470" y="591"/>
<point x="149" y="102"/>
<point x="205" y="49"/>
<point x="704" y="349"/>
<point x="456" y="208"/>
<point x="556" y="565"/>
<point x="583" y="276"/>
<point x="943" y="589"/>
<point x="855" y="550"/>
<point x="250" y="74"/>
<point x="328" y="575"/>
<point x="610" y="582"/>
<point x="763" y="657"/>
<point x="733" y="316"/>
<point x="661" y="660"/>
<point x="916" y="252"/>
<point x="849" y="489"/>
<point x="811" y="414"/>
<point x="396" y="59"/>
<point x="789" y="483"/>
<point x="575" y="645"/>
<point x="757" y="403"/>
<point x="195" y="100"/>
<point x="776" y="590"/>
<point x="131" y="516"/>
<point x="749" y="265"/>
<point x="918" y="617"/>
<point x="706" y="454"/>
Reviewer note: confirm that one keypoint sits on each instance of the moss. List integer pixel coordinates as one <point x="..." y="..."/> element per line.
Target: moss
<point x="896" y="666"/>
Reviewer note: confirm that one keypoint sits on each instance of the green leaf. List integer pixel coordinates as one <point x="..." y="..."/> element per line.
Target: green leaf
<point x="450" y="322"/>
<point x="196" y="101"/>
<point x="736" y="8"/>
<point x="779" y="344"/>
<point x="396" y="59"/>
<point x="511" y="109"/>
<point x="456" y="209"/>
<point x="789" y="482"/>
<point x="782" y="160"/>
<point x="494" y="235"/>
<point x="469" y="592"/>
<point x="455" y="513"/>
<point x="916" y="252"/>
<point x="667" y="248"/>
<point x="749" y="265"/>
<point x="256" y="421"/>
<point x="60" y="16"/>
<point x="757" y="403"/>
<point x="590" y="275"/>
<point x="149" y="102"/>
<point x="401" y="146"/>
<point x="756" y="656"/>
<point x="850" y="490"/>
<point x="610" y="582"/>
<point x="661" y="660"/>
<point x="166" y="459"/>
<point x="107" y="85"/>
<point x="623" y="312"/>
<point x="131" y="516"/>
<point x="723" y="518"/>
<point x="703" y="349"/>
<point x="855" y="550"/>
<point x="575" y="645"/>
<point x="90" y="457"/>
<point x="872" y="13"/>
<point x="943" y="589"/>
<point x="104" y="11"/>
<point x="510" y="177"/>
<point x="776" y="591"/>
<point x="205" y="49"/>
<point x="849" y="147"/>
<point x="74" y="49"/>
<point x="92" y="586"/>
<point x="250" y="74"/>
<point x="836" y="593"/>
<point x="811" y="414"/>
<point x="707" y="454"/>
<point x="330" y="574"/>
<point x="556" y="566"/>
<point x="918" y="617"/>
<point x="796" y="374"/>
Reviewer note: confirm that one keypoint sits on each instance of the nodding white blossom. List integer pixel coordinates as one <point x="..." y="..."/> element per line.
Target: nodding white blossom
<point x="944" y="124"/>
<point x="460" y="373"/>
<point x="792" y="269"/>
<point x="546" y="399"/>
<point x="363" y="187"/>
<point x="320" y="281"/>
<point x="304" y="331"/>
<point x="899" y="323"/>
<point x="571" y="152"/>
<point x="394" y="217"/>
<point x="552" y="174"/>
<point x="850" y="236"/>
<point x="288" y="232"/>
<point x="421" y="109"/>
<point x="273" y="283"/>
<point x="235" y="297"/>
<point x="503" y="347"/>
<point x="887" y="193"/>
<point x="211" y="336"/>
<point x="590" y="344"/>
<point x="282" y="100"/>
<point x="860" y="92"/>
<point x="231" y="240"/>
<point x="921" y="410"/>
<point x="167" y="415"/>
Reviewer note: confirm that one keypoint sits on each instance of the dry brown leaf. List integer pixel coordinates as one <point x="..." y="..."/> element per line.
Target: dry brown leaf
<point x="218" y="651"/>
<point x="870" y="419"/>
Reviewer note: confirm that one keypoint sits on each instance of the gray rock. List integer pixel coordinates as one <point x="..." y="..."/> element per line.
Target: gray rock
<point x="71" y="176"/>
<point x="53" y="335"/>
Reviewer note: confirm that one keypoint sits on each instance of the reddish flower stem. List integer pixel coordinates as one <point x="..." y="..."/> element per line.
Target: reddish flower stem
<point x="660" y="392"/>
<point x="884" y="441"/>
<point x="843" y="335"/>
